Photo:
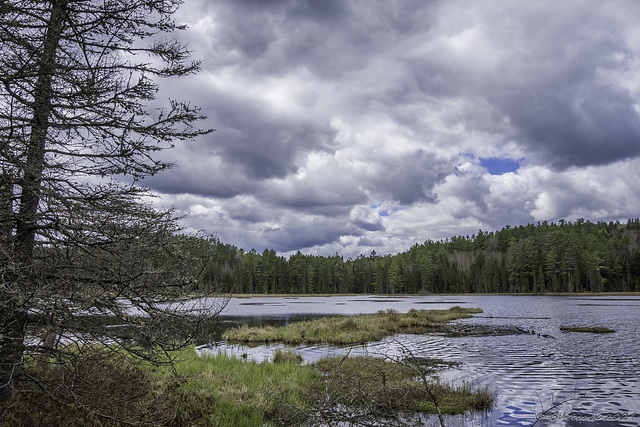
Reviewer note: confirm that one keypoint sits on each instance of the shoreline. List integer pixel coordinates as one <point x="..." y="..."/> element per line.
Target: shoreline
<point x="585" y="294"/>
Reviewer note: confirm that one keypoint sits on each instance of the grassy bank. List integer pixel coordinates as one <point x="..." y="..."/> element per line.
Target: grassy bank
<point x="226" y="391"/>
<point x="207" y="391"/>
<point x="350" y="330"/>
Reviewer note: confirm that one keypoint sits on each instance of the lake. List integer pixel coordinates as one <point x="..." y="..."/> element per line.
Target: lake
<point x="579" y="379"/>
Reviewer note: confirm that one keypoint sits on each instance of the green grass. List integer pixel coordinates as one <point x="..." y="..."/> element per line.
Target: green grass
<point x="593" y="330"/>
<point x="350" y="330"/>
<point x="221" y="390"/>
<point x="215" y="390"/>
<point x="286" y="356"/>
<point x="395" y="386"/>
<point x="244" y="392"/>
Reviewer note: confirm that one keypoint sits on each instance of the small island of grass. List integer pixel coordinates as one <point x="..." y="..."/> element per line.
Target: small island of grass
<point x="380" y="388"/>
<point x="357" y="329"/>
<point x="593" y="330"/>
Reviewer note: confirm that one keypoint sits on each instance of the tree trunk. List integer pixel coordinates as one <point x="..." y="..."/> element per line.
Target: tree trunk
<point x="17" y="278"/>
<point x="6" y="217"/>
<point x="13" y="318"/>
<point x="32" y="174"/>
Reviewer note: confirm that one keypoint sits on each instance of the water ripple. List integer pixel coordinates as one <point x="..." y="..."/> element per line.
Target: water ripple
<point x="568" y="379"/>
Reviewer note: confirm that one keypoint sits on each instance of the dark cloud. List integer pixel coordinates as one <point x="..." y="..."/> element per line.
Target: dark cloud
<point x="340" y="123"/>
<point x="369" y="226"/>
<point x="561" y="87"/>
<point x="410" y="177"/>
<point x="297" y="9"/>
<point x="328" y="37"/>
<point x="253" y="26"/>
<point x="252" y="142"/>
<point x="316" y="201"/>
<point x="303" y="236"/>
<point x="578" y="126"/>
<point x="264" y="142"/>
<point x="323" y="10"/>
<point x="203" y="176"/>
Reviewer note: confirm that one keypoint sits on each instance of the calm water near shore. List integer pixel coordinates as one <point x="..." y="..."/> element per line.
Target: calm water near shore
<point x="580" y="379"/>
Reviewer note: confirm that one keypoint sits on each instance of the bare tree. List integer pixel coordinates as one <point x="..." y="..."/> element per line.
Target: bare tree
<point x="77" y="135"/>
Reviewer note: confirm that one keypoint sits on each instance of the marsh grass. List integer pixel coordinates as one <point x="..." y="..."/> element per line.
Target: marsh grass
<point x="387" y="387"/>
<point x="286" y="356"/>
<point x="239" y="393"/>
<point x="209" y="390"/>
<point x="227" y="391"/>
<point x="356" y="329"/>
<point x="593" y="330"/>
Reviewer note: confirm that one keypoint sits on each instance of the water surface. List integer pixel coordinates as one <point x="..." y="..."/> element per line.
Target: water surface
<point x="579" y="379"/>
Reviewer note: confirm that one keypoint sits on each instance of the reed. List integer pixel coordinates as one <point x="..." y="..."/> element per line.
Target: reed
<point x="286" y="356"/>
<point x="356" y="329"/>
<point x="396" y="387"/>
<point x="216" y="390"/>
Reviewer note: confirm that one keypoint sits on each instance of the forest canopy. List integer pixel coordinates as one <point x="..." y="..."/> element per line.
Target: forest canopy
<point x="545" y="257"/>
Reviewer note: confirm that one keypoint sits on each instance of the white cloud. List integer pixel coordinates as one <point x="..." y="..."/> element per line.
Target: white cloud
<point x="353" y="126"/>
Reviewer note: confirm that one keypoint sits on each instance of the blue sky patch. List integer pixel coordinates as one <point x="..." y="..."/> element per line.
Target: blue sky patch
<point x="498" y="166"/>
<point x="388" y="212"/>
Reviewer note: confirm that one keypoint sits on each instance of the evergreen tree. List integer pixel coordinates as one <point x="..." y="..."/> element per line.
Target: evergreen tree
<point x="76" y="138"/>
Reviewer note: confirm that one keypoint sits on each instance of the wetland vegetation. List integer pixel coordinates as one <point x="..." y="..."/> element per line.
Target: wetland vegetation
<point x="217" y="389"/>
<point x="195" y="391"/>
<point x="225" y="390"/>
<point x="352" y="329"/>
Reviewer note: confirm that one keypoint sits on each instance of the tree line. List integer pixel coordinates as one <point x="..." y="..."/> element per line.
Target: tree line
<point x="545" y="257"/>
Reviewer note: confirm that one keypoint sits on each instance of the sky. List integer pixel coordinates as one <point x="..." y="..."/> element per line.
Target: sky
<point x="346" y="126"/>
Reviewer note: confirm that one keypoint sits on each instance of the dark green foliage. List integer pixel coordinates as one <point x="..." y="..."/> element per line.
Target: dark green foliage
<point x="98" y="392"/>
<point x="545" y="257"/>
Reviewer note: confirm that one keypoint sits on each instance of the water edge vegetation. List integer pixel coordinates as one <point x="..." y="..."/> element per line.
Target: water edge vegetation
<point x="356" y="329"/>
<point x="224" y="390"/>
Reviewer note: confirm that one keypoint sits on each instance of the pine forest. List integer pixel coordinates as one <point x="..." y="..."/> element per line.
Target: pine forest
<point x="535" y="258"/>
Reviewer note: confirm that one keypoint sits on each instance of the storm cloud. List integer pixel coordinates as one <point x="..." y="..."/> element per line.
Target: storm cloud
<point x="351" y="126"/>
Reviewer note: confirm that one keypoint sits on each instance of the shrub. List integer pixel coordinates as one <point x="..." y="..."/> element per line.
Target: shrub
<point x="286" y="356"/>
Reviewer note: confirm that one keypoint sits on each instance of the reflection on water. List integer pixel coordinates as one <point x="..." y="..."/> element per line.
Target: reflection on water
<point x="580" y="379"/>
